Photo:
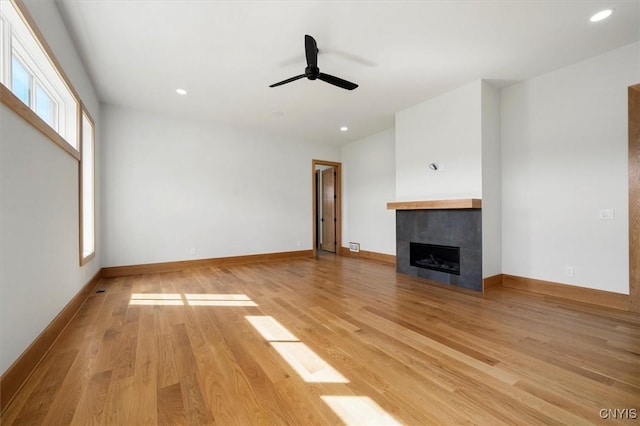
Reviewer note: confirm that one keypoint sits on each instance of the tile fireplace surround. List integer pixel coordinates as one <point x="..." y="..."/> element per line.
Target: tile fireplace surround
<point x="456" y="223"/>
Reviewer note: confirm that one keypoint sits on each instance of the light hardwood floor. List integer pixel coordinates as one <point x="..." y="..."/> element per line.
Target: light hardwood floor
<point x="337" y="340"/>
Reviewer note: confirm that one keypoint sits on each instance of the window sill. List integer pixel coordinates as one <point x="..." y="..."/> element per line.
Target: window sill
<point x="16" y="105"/>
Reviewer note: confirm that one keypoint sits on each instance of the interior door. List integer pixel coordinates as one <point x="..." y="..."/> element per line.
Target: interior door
<point x="329" y="210"/>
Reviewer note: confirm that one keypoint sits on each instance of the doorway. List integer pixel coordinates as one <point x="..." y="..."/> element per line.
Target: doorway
<point x="327" y="206"/>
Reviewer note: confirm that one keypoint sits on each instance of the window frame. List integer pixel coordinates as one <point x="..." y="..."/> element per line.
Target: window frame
<point x="57" y="113"/>
<point x="9" y="99"/>
<point x="35" y="83"/>
<point x="5" y="45"/>
<point x="21" y="54"/>
<point x="81" y="186"/>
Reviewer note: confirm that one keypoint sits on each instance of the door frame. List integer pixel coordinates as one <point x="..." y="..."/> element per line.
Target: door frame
<point x="314" y="206"/>
<point x="634" y="198"/>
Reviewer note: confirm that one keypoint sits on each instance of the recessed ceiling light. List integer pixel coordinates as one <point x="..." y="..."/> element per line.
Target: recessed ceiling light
<point x="603" y="14"/>
<point x="344" y="128"/>
<point x="181" y="91"/>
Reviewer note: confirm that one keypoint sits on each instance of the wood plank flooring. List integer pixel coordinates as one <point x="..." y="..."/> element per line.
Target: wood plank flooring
<point x="337" y="341"/>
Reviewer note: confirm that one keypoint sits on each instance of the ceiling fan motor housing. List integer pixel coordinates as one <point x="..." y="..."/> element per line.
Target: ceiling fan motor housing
<point x="312" y="72"/>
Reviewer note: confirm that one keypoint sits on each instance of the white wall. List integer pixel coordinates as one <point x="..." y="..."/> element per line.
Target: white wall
<point x="460" y="130"/>
<point x="39" y="225"/>
<point x="368" y="185"/>
<point x="564" y="157"/>
<point x="446" y="129"/>
<point x="171" y="185"/>
<point x="491" y="182"/>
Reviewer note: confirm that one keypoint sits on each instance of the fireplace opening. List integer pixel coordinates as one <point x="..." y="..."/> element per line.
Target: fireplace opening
<point x="437" y="258"/>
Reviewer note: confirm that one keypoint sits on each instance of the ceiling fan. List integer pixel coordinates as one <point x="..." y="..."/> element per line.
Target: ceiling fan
<point x="312" y="71"/>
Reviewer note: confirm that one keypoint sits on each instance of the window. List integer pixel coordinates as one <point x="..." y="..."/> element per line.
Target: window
<point x="20" y="80"/>
<point x="87" y="190"/>
<point x="45" y="106"/>
<point x="30" y="90"/>
<point x="29" y="72"/>
<point x="33" y="85"/>
<point x="3" y="45"/>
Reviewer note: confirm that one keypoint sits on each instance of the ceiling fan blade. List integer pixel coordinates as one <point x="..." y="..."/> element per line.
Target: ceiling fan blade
<point x="311" y="49"/>
<point x="337" y="81"/>
<point x="289" y="80"/>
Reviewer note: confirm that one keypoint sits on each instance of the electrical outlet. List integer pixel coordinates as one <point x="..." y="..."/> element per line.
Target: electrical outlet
<point x="569" y="271"/>
<point x="607" y="214"/>
<point x="354" y="247"/>
<point x="192" y="251"/>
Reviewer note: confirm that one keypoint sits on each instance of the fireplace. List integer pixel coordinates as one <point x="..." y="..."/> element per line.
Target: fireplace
<point x="435" y="257"/>
<point x="455" y="240"/>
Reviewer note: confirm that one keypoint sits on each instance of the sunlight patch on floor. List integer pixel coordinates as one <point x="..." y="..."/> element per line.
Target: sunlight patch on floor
<point x="203" y="299"/>
<point x="358" y="410"/>
<point x="271" y="329"/>
<point x="219" y="300"/>
<point x="221" y="303"/>
<point x="311" y="367"/>
<point x="156" y="299"/>
<point x="307" y="363"/>
<point x="212" y="296"/>
<point x="151" y="302"/>
<point x="156" y="296"/>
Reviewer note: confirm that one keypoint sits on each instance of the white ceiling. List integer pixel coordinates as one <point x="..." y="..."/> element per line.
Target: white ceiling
<point x="226" y="53"/>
